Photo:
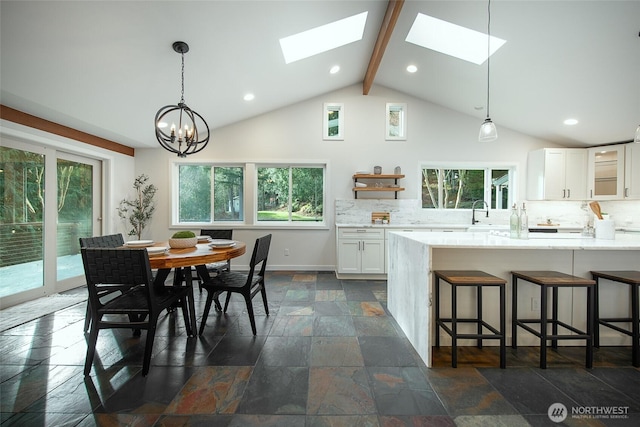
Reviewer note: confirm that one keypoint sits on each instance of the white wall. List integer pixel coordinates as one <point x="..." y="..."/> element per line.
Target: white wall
<point x="294" y="133"/>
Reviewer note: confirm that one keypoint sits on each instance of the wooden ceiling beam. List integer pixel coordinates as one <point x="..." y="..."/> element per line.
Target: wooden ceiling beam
<point x="16" y="116"/>
<point x="386" y="29"/>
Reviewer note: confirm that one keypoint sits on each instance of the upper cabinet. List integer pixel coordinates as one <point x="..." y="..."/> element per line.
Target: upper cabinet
<point x="632" y="171"/>
<point x="606" y="172"/>
<point x="557" y="174"/>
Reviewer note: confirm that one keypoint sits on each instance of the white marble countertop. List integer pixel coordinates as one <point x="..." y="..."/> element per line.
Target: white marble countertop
<point x="537" y="241"/>
<point x="395" y="225"/>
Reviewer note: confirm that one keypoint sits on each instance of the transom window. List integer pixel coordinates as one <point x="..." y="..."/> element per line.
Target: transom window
<point x="458" y="188"/>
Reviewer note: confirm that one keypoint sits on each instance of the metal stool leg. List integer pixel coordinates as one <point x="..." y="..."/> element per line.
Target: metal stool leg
<point x="479" y="314"/>
<point x="437" y="309"/>
<point x="635" y="327"/>
<point x="543" y="327"/>
<point x="454" y="326"/>
<point x="514" y="312"/>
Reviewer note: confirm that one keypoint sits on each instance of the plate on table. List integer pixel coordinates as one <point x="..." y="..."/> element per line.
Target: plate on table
<point x="222" y="243"/>
<point x="156" y="250"/>
<point x="139" y="243"/>
<point x="204" y="239"/>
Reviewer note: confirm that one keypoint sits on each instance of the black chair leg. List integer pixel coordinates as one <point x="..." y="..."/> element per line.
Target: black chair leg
<point x="226" y="303"/>
<point x="205" y="314"/>
<point x="91" y="347"/>
<point x="263" y="291"/>
<point x="252" y="319"/>
<point x="148" y="347"/>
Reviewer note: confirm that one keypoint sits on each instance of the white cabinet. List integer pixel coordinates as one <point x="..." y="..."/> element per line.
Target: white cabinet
<point x="632" y="171"/>
<point x="605" y="173"/>
<point x="557" y="174"/>
<point x="361" y="251"/>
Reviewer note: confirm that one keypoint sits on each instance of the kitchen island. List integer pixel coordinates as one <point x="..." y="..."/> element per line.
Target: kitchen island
<point x="413" y="256"/>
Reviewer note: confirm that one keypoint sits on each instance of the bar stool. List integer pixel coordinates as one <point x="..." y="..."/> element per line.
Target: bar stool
<point x="553" y="280"/>
<point x="631" y="278"/>
<point x="477" y="279"/>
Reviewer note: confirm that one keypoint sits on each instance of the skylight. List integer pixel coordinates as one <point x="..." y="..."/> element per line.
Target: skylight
<point x="451" y="39"/>
<point x="323" y="38"/>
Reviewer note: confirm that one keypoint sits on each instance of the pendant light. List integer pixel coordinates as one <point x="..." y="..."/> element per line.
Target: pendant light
<point x="488" y="131"/>
<point x="188" y="131"/>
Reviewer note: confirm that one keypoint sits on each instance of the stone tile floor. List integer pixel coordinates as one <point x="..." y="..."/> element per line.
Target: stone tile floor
<point x="329" y="354"/>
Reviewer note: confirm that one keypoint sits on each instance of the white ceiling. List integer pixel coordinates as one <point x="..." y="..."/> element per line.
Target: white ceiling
<point x="106" y="67"/>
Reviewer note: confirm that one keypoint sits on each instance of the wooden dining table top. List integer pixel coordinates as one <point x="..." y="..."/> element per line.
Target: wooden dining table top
<point x="201" y="254"/>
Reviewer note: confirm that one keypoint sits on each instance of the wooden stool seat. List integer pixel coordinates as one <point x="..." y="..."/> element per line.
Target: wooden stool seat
<point x="554" y="280"/>
<point x="631" y="278"/>
<point x="476" y="279"/>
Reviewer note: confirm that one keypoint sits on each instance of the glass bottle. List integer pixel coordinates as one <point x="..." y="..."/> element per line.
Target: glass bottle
<point x="514" y="223"/>
<point x="524" y="223"/>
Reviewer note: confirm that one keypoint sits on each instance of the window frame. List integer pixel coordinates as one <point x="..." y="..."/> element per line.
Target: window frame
<point x="402" y="126"/>
<point x="487" y="167"/>
<point x="175" y="194"/>
<point x="250" y="195"/>
<point x="327" y="108"/>
<point x="289" y="223"/>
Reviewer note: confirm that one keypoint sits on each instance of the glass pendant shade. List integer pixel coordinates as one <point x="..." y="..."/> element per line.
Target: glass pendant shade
<point x="637" y="137"/>
<point x="488" y="131"/>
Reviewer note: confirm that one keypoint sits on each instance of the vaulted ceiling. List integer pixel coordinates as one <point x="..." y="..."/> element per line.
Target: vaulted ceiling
<point x="106" y="67"/>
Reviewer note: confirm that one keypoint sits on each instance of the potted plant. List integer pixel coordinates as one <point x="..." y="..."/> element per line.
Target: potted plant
<point x="138" y="212"/>
<point x="183" y="239"/>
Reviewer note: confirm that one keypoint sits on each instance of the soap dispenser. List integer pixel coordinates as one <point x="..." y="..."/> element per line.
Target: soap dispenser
<point x="524" y="223"/>
<point x="514" y="223"/>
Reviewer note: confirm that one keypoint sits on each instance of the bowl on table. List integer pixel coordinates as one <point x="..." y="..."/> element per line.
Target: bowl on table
<point x="183" y="242"/>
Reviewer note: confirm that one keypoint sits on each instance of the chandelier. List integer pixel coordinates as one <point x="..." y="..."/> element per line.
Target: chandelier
<point x="180" y="129"/>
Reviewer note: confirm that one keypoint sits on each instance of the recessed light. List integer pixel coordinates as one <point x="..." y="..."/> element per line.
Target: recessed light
<point x="323" y="38"/>
<point x="451" y="39"/>
<point x="570" y="122"/>
<point x="249" y="97"/>
<point x="334" y="69"/>
<point x="412" y="68"/>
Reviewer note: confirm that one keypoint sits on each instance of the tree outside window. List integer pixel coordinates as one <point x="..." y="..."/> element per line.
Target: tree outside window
<point x="290" y="194"/>
<point x="201" y="202"/>
<point x="444" y="188"/>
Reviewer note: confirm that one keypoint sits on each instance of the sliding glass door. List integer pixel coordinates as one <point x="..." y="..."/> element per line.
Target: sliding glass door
<point x="49" y="199"/>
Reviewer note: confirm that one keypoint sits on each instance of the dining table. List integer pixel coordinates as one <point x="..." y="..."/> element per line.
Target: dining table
<point x="181" y="260"/>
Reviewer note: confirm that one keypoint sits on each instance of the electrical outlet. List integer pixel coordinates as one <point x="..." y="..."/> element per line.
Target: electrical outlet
<point x="286" y="252"/>
<point x="535" y="304"/>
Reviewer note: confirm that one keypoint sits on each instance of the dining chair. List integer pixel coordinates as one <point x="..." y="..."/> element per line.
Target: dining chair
<point x="128" y="270"/>
<point x="108" y="241"/>
<point x="216" y="267"/>
<point x="246" y="284"/>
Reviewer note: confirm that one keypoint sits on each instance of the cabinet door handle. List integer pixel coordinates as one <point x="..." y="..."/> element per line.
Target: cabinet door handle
<point x="362" y="246"/>
<point x="568" y="193"/>
<point x="591" y="194"/>
<point x="564" y="193"/>
<point x="626" y="192"/>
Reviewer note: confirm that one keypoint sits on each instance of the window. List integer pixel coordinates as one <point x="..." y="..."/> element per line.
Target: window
<point x="396" y="124"/>
<point x="290" y="194"/>
<point x="208" y="193"/>
<point x="333" y="122"/>
<point x="458" y="188"/>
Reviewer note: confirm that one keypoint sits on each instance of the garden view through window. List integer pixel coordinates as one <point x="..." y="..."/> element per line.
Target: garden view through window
<point x="209" y="193"/>
<point x="290" y="193"/>
<point x="454" y="188"/>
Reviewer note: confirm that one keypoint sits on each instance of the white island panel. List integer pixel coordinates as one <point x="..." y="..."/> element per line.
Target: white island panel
<point x="413" y="257"/>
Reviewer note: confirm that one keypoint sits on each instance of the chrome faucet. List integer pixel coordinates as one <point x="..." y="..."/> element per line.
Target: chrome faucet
<point x="473" y="211"/>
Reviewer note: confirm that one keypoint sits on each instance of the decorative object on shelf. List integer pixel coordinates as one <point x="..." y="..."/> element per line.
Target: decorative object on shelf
<point x="397" y="170"/>
<point x="192" y="130"/>
<point x="637" y="137"/>
<point x="333" y="121"/>
<point x="138" y="212"/>
<point x="488" y="131"/>
<point x="377" y="170"/>
<point x="183" y="239"/>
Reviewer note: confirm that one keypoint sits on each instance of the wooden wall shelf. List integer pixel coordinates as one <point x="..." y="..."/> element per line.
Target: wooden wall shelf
<point x="394" y="177"/>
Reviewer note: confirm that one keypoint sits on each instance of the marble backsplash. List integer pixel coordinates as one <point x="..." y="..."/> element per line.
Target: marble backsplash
<point x="408" y="211"/>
